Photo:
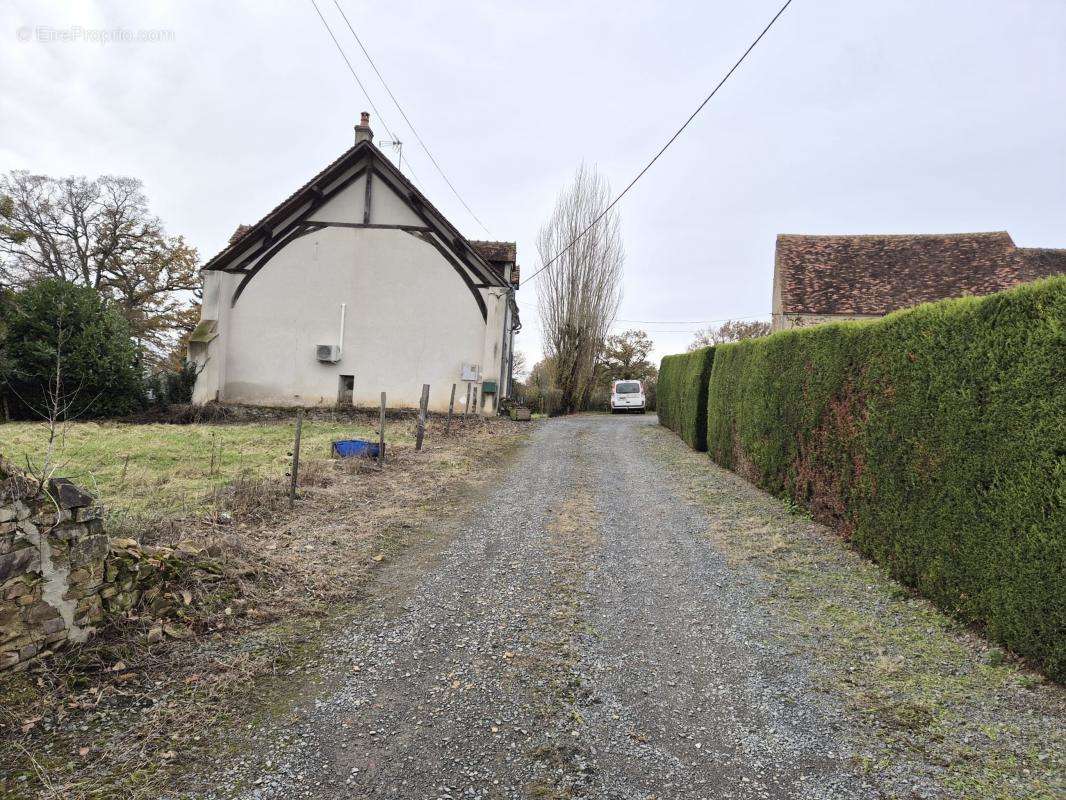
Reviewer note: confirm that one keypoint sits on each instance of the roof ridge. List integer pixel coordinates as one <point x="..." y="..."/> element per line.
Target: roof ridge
<point x="292" y="196"/>
<point x="402" y="185"/>
<point x="988" y="234"/>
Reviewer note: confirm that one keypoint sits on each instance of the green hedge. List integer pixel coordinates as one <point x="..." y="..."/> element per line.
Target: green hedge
<point x="682" y="395"/>
<point x="669" y="390"/>
<point x="934" y="439"/>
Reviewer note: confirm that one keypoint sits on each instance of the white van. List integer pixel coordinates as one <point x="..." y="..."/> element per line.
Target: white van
<point x="627" y="396"/>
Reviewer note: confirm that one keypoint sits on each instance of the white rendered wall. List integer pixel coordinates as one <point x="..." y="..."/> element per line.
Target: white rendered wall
<point x="410" y="318"/>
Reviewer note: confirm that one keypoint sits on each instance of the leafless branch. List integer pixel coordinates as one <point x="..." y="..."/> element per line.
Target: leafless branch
<point x="579" y="296"/>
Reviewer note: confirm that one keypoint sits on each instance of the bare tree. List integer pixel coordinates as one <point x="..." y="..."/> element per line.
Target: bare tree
<point x="99" y="233"/>
<point x="729" y="331"/>
<point x="579" y="294"/>
<point x="519" y="366"/>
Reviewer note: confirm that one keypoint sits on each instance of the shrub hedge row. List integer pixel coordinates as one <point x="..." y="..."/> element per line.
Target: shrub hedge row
<point x="934" y="439"/>
<point x="668" y="390"/>
<point x="682" y="395"/>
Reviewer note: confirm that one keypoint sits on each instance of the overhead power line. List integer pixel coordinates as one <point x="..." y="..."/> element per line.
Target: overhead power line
<point x="532" y="305"/>
<point x="355" y="75"/>
<point x="669" y="142"/>
<point x="653" y="333"/>
<point x="351" y="69"/>
<point x="688" y="322"/>
<point x="410" y="124"/>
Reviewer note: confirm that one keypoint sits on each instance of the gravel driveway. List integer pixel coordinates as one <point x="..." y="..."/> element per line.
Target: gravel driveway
<point x="581" y="635"/>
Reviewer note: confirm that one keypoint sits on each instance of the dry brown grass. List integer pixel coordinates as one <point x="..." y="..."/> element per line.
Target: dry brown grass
<point x="284" y="573"/>
<point x="574" y="531"/>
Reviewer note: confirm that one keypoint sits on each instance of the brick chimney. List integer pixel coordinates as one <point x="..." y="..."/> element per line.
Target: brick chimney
<point x="362" y="130"/>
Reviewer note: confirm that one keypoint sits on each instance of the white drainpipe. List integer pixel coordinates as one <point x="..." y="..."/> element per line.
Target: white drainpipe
<point x="340" y="342"/>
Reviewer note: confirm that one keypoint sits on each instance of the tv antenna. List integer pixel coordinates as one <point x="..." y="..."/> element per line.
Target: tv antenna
<point x="396" y="145"/>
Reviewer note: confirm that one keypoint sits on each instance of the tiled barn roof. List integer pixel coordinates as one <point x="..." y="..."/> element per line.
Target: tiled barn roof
<point x="881" y="273"/>
<point x="498" y="254"/>
<point x="1040" y="262"/>
<point x="282" y="209"/>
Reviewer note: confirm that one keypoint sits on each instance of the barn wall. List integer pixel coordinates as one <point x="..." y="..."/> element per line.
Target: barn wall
<point x="781" y="322"/>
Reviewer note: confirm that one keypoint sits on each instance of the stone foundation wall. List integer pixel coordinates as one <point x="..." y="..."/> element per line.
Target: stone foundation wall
<point x="60" y="574"/>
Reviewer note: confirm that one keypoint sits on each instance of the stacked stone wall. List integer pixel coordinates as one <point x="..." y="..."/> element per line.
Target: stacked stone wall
<point x="61" y="576"/>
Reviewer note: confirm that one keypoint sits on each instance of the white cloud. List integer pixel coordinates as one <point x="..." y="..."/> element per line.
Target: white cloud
<point x="849" y="117"/>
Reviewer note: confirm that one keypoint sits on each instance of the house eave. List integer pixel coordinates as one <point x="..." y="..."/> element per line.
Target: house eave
<point x="294" y="211"/>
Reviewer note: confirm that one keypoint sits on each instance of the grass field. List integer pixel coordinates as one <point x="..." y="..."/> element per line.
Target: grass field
<point x="150" y="470"/>
<point x="124" y="715"/>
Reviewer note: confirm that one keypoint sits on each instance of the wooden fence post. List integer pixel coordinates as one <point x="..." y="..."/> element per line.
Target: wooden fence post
<point x="381" y="434"/>
<point x="469" y="388"/>
<point x="296" y="457"/>
<point x="475" y="399"/>
<point x="451" y="409"/>
<point x="423" y="404"/>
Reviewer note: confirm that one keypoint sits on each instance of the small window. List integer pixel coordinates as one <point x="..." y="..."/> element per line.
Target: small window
<point x="344" y="390"/>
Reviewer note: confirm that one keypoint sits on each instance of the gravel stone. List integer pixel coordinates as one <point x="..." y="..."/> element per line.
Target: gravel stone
<point x="578" y="636"/>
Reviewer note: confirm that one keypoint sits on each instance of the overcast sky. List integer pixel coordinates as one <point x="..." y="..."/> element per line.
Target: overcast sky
<point x="852" y="116"/>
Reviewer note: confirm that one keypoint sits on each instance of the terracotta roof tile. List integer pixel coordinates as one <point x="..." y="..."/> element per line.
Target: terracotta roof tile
<point x="1040" y="262"/>
<point x="499" y="255"/>
<point x="239" y="233"/>
<point x="494" y="251"/>
<point x="881" y="273"/>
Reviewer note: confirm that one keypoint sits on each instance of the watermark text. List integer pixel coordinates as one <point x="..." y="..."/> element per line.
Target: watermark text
<point x="77" y="34"/>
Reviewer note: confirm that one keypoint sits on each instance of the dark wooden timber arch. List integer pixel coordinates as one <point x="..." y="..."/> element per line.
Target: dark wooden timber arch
<point x="294" y="217"/>
<point x="303" y="228"/>
<point x="318" y="198"/>
<point x="261" y="262"/>
<point x="426" y="236"/>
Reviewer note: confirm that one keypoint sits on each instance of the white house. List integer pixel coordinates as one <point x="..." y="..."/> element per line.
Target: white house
<point x="353" y="286"/>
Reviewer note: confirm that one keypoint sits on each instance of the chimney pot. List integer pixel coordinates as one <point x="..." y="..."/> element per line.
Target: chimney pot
<point x="362" y="130"/>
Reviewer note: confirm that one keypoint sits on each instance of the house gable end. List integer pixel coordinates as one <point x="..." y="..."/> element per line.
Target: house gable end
<point x="362" y="189"/>
<point x="332" y="196"/>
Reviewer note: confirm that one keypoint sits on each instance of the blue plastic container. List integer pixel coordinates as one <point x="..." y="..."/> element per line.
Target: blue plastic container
<point x="355" y="448"/>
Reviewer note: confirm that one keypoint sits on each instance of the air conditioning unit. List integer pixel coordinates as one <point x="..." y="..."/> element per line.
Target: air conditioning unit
<point x="328" y="353"/>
